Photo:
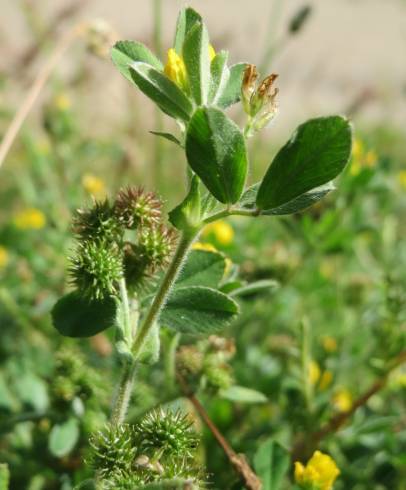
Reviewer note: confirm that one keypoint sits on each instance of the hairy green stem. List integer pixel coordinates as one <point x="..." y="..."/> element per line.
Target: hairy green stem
<point x="163" y="292"/>
<point x="128" y="331"/>
<point x="232" y="212"/>
<point x="123" y="395"/>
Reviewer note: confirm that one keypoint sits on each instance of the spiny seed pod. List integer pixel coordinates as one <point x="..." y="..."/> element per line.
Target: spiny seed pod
<point x="219" y="377"/>
<point x="113" y="449"/>
<point x="189" y="360"/>
<point x="97" y="223"/>
<point x="135" y="207"/>
<point x="96" y="268"/>
<point x="168" y="433"/>
<point x="155" y="246"/>
<point x="137" y="268"/>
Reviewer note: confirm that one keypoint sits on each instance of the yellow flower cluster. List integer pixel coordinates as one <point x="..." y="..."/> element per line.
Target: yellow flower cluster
<point x="175" y="68"/>
<point x="329" y="344"/>
<point x="320" y="472"/>
<point x="30" y="219"/>
<point x="362" y="158"/>
<point x="222" y="232"/>
<point x="94" y="185"/>
<point x="321" y="379"/>
<point x="4" y="258"/>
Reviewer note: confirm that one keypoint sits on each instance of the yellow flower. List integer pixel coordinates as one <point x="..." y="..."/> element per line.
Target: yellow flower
<point x="4" y="258"/>
<point x="212" y="52"/>
<point x="62" y="102"/>
<point x="329" y="344"/>
<point x="342" y="400"/>
<point x="325" y="380"/>
<point x="30" y="219"/>
<point x="93" y="185"/>
<point x="204" y="246"/>
<point x="314" y="372"/>
<point x="362" y="158"/>
<point x="223" y="232"/>
<point x="321" y="472"/>
<point x="402" y="178"/>
<point x="175" y="69"/>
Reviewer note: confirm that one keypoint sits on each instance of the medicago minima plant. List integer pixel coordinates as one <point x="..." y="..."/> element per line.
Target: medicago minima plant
<point x="132" y="273"/>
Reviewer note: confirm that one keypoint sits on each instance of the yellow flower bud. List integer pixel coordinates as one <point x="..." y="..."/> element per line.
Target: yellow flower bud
<point x="175" y="69"/>
<point x="93" y="185"/>
<point x="402" y="178"/>
<point x="30" y="219"/>
<point x="212" y="52"/>
<point x="320" y="472"/>
<point x="314" y="372"/>
<point x="222" y="231"/>
<point x="4" y="257"/>
<point x="329" y="344"/>
<point x="325" y="380"/>
<point x="342" y="400"/>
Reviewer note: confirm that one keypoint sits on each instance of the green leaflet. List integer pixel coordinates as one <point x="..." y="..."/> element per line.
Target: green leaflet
<point x="215" y="149"/>
<point x="317" y="152"/>
<point x="124" y="53"/>
<point x="198" y="310"/>
<point x="159" y="88"/>
<point x="76" y="316"/>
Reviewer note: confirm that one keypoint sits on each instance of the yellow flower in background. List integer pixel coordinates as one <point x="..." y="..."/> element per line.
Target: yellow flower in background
<point x="30" y="219"/>
<point x="325" y="380"/>
<point x="43" y="147"/>
<point x="314" y="372"/>
<point x="94" y="185"/>
<point x="222" y="231"/>
<point x="320" y="472"/>
<point x="362" y="158"/>
<point x="4" y="257"/>
<point x="175" y="69"/>
<point x="62" y="102"/>
<point x="329" y="344"/>
<point x="208" y="247"/>
<point x="342" y="400"/>
<point x="402" y="178"/>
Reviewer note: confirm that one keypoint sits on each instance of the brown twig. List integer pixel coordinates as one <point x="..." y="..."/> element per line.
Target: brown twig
<point x="238" y="461"/>
<point x="66" y="13"/>
<point x="306" y="445"/>
<point x="35" y="90"/>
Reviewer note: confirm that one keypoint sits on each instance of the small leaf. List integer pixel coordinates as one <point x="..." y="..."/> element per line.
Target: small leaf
<point x="152" y="346"/>
<point x="63" y="437"/>
<point x="202" y="268"/>
<point x="271" y="463"/>
<point x="165" y="93"/>
<point x="304" y="201"/>
<point x="317" y="152"/>
<point x="124" y="53"/>
<point x="243" y="395"/>
<point x="32" y="390"/>
<point x="75" y="316"/>
<point x="197" y="62"/>
<point x="232" y="90"/>
<point x="186" y="20"/>
<point x="187" y="215"/>
<point x="220" y="74"/>
<point x="198" y="310"/>
<point x="255" y="288"/>
<point x="168" y="136"/>
<point x="215" y="149"/>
